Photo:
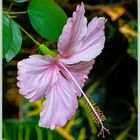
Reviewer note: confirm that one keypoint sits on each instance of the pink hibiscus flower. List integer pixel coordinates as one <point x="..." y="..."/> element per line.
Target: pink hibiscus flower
<point x="61" y="78"/>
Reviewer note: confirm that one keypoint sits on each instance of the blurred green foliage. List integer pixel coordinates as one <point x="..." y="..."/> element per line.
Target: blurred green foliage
<point x="112" y="83"/>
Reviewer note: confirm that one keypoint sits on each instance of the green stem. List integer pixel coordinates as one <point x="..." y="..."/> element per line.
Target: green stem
<point x="20" y="132"/>
<point x="36" y="42"/>
<point x="43" y="48"/>
<point x="23" y="12"/>
<point x="27" y="132"/>
<point x="39" y="133"/>
<point x="10" y="6"/>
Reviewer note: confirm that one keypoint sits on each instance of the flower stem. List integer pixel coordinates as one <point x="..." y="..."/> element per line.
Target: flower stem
<point x="44" y="49"/>
<point x="36" y="42"/>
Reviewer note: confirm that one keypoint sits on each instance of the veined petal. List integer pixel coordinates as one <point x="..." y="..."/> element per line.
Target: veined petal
<point x="36" y="75"/>
<point x="80" y="72"/>
<point x="93" y="43"/>
<point x="73" y="33"/>
<point x="60" y="104"/>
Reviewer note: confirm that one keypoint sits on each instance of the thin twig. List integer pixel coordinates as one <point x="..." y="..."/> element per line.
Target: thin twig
<point x="15" y="13"/>
<point x="10" y="6"/>
<point x="36" y="42"/>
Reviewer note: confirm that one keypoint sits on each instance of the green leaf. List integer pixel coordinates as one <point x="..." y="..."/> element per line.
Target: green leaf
<point x="133" y="25"/>
<point x="13" y="40"/>
<point x="47" y="18"/>
<point x="132" y="50"/>
<point x="19" y="1"/>
<point x="6" y="34"/>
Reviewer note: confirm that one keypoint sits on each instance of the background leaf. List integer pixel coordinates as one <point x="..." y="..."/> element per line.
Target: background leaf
<point x="15" y="41"/>
<point x="27" y="129"/>
<point x="6" y="34"/>
<point x="47" y="18"/>
<point x="132" y="50"/>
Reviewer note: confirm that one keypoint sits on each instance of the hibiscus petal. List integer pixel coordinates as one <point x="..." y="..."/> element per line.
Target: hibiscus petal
<point x="79" y="71"/>
<point x="93" y="42"/>
<point x="73" y="33"/>
<point x="36" y="76"/>
<point x="60" y="104"/>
